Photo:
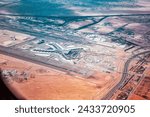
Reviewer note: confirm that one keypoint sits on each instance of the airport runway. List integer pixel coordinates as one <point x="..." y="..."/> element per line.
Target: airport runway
<point x="41" y="61"/>
<point x="6" y="51"/>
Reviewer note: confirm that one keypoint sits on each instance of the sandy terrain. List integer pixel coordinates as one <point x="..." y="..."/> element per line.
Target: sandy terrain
<point x="143" y="89"/>
<point x="136" y="97"/>
<point x="9" y="38"/>
<point x="47" y="83"/>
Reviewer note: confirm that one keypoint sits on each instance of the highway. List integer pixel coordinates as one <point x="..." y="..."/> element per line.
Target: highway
<point x="6" y="51"/>
<point x="68" y="19"/>
<point x="55" y="66"/>
<point x="123" y="78"/>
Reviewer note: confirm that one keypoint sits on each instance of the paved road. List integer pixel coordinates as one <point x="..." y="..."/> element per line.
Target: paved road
<point x="108" y="96"/>
<point x="124" y="75"/>
<point x="63" y="69"/>
<point x="37" y="60"/>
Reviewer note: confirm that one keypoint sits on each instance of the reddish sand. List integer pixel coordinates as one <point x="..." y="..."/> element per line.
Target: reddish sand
<point x="136" y="97"/>
<point x="52" y="84"/>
